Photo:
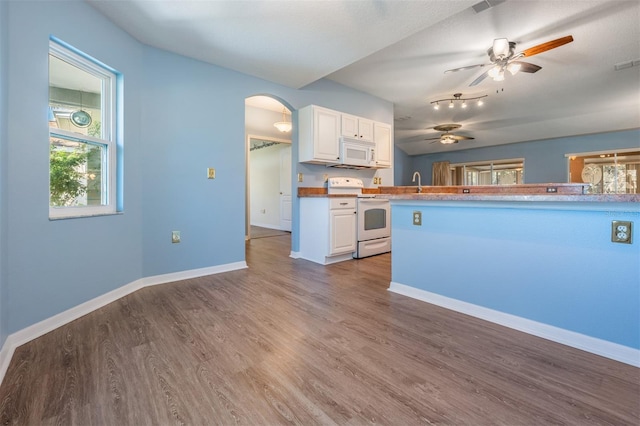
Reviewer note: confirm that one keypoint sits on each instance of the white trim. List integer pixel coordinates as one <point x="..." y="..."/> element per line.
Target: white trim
<point x="108" y="139"/>
<point x="36" y="330"/>
<point x="487" y="162"/>
<point x="596" y="346"/>
<point x="295" y="255"/>
<point x="610" y="151"/>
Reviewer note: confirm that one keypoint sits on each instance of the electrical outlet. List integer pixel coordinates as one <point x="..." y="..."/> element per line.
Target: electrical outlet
<point x="417" y="218"/>
<point x="175" y="237"/>
<point x="211" y="173"/>
<point x="621" y="231"/>
<point x="300" y="176"/>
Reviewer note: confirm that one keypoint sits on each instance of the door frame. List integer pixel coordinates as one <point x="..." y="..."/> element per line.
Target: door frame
<point x="248" y="177"/>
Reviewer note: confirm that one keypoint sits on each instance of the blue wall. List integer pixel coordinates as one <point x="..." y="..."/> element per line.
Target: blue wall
<point x="544" y="161"/>
<point x="180" y="117"/>
<point x="3" y="170"/>
<point x="55" y="265"/>
<point x="554" y="265"/>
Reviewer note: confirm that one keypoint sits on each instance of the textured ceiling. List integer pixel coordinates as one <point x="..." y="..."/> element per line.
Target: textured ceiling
<point x="399" y="50"/>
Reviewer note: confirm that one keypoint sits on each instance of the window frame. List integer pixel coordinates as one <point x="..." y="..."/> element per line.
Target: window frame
<point x="613" y="152"/>
<point x="490" y="164"/>
<point x="109" y="128"/>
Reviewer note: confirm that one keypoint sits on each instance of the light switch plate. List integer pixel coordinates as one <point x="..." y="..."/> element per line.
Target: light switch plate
<point x="621" y="231"/>
<point x="211" y="173"/>
<point x="175" y="237"/>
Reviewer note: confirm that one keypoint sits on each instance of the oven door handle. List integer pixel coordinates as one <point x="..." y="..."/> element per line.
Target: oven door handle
<point x="369" y="201"/>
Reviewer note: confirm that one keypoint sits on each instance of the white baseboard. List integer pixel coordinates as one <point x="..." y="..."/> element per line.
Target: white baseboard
<point x="566" y="337"/>
<point x="36" y="330"/>
<point x="295" y="255"/>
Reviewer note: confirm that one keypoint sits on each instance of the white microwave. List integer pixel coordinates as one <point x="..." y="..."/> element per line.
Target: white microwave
<point x="356" y="152"/>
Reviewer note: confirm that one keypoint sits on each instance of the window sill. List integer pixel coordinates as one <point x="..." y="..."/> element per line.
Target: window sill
<point x="82" y="216"/>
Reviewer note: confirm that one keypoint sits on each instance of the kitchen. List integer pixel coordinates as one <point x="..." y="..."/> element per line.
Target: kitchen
<point x="331" y="225"/>
<point x="184" y="116"/>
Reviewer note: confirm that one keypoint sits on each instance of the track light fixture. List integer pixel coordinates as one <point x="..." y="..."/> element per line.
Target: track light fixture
<point x="457" y="97"/>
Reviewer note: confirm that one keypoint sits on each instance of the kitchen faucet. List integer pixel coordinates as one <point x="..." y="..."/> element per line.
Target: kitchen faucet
<point x="414" y="180"/>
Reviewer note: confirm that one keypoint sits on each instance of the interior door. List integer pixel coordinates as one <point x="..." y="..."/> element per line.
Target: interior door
<point x="285" y="188"/>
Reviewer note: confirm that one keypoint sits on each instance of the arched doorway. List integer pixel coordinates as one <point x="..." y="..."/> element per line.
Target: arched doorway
<point x="268" y="168"/>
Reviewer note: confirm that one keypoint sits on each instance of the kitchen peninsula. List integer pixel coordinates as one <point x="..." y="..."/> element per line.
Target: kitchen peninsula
<point x="540" y="260"/>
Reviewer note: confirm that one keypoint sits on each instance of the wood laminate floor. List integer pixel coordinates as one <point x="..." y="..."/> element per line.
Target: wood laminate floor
<point x="260" y="232"/>
<point x="290" y="342"/>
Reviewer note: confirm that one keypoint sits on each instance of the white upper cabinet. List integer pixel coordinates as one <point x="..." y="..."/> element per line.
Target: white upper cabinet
<point x="382" y="137"/>
<point x="357" y="127"/>
<point x="319" y="134"/>
<point x="320" y="129"/>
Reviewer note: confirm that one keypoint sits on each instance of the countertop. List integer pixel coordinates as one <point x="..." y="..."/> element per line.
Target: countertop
<point x="588" y="198"/>
<point x="543" y="192"/>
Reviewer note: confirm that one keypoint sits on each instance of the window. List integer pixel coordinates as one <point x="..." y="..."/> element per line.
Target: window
<point x="496" y="172"/>
<point x="82" y="129"/>
<point x="608" y="172"/>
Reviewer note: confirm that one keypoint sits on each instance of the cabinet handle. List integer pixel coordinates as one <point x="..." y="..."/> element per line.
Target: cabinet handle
<point x="343" y="204"/>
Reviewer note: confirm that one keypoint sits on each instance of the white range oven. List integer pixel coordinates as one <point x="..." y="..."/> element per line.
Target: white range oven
<point x="374" y="227"/>
<point x="373" y="220"/>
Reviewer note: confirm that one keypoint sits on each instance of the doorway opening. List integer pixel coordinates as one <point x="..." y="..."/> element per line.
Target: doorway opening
<point x="268" y="169"/>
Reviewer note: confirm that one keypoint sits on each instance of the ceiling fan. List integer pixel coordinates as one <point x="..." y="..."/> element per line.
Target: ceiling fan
<point x="503" y="58"/>
<point x="447" y="137"/>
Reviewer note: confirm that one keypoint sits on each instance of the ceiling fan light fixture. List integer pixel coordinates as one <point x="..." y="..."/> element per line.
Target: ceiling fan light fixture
<point x="514" y="67"/>
<point x="447" y="140"/>
<point x="501" y="48"/>
<point x="494" y="72"/>
<point x="499" y="77"/>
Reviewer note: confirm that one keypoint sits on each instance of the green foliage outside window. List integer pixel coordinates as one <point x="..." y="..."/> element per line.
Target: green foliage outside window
<point x="66" y="181"/>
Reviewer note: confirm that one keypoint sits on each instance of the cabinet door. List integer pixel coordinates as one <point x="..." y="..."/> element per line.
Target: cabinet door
<point x="342" y="228"/>
<point x="349" y="126"/>
<point x="356" y="127"/>
<point x="365" y="130"/>
<point x="382" y="136"/>
<point x="326" y="134"/>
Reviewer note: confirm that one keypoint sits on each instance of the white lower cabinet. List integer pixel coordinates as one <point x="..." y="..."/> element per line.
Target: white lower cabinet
<point x="327" y="229"/>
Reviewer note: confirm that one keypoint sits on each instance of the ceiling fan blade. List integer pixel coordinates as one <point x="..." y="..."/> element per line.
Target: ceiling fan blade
<point x="547" y="46"/>
<point x="461" y="137"/>
<point x="433" y="139"/>
<point x="480" y="78"/>
<point x="527" y="67"/>
<point x="468" y="67"/>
